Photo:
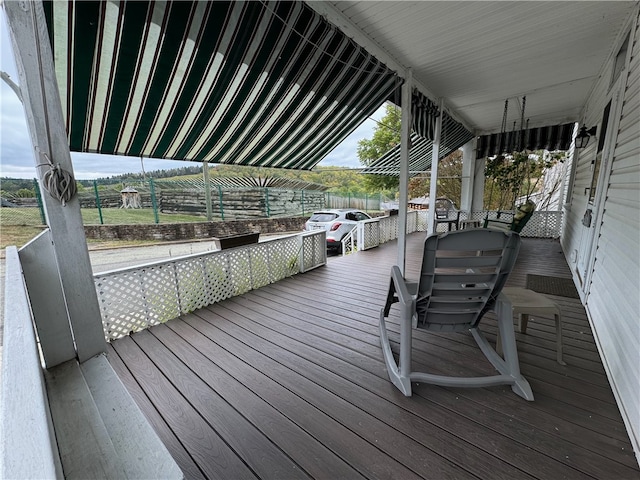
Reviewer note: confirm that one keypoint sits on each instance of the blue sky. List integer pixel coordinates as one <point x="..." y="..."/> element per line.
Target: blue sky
<point x="16" y="154"/>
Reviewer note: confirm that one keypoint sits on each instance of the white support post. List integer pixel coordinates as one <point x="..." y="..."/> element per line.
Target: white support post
<point x="477" y="201"/>
<point x="431" y="216"/>
<point x="43" y="111"/>
<point x="468" y="172"/>
<point x="403" y="201"/>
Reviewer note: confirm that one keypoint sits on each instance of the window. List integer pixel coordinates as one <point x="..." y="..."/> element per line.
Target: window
<point x="620" y="61"/>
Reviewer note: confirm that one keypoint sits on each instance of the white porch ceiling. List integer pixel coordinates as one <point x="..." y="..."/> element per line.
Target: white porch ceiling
<point x="476" y="54"/>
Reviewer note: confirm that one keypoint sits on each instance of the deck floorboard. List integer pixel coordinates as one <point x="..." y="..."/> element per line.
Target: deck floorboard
<point x="288" y="381"/>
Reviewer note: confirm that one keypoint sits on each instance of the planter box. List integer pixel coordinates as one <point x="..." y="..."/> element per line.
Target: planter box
<point x="231" y="241"/>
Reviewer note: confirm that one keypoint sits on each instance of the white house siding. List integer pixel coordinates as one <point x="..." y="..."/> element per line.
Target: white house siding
<point x="613" y="296"/>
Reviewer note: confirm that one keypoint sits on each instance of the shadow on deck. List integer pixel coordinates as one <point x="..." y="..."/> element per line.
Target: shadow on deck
<point x="288" y="381"/>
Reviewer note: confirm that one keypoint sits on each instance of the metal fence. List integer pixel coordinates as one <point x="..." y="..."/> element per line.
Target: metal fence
<point x="135" y="298"/>
<point x="173" y="201"/>
<point x="364" y="202"/>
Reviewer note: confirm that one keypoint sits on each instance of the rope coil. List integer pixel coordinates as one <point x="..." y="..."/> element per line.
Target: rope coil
<point x="57" y="182"/>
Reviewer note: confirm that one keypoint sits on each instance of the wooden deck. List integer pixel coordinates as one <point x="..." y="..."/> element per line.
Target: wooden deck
<point x="288" y="381"/>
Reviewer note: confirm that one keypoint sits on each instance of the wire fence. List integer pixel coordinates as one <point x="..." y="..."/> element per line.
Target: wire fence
<point x="178" y="201"/>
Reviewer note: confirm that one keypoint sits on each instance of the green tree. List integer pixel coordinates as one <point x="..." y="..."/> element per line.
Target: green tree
<point x="25" y="193"/>
<point x="386" y="135"/>
<point x="509" y="178"/>
<point x="449" y="180"/>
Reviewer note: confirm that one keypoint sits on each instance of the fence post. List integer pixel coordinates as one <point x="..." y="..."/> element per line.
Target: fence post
<point x="154" y="203"/>
<point x="98" y="206"/>
<point x="266" y="201"/>
<point x="207" y="190"/>
<point x="36" y="188"/>
<point x="302" y="201"/>
<point x="220" y="201"/>
<point x="349" y="196"/>
<point x="366" y="202"/>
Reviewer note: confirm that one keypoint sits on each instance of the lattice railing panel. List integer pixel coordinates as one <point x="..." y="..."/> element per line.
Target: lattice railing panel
<point x="284" y="260"/>
<point x="370" y="234"/>
<point x="161" y="293"/>
<point x="122" y="303"/>
<point x="314" y="250"/>
<point x="421" y="219"/>
<point x="218" y="275"/>
<point x="134" y="298"/>
<point x="192" y="284"/>
<point x="260" y="266"/>
<point x="388" y="228"/>
<point x="542" y="224"/>
<point x="240" y="268"/>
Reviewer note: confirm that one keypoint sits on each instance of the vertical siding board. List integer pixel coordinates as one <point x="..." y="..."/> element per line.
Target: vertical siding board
<point x="613" y="304"/>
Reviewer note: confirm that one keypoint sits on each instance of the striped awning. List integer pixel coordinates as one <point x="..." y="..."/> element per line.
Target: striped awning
<point x="454" y="136"/>
<point x="265" y="83"/>
<point x="553" y="137"/>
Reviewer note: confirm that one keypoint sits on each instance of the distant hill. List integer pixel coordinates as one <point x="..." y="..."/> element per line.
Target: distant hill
<point x="335" y="179"/>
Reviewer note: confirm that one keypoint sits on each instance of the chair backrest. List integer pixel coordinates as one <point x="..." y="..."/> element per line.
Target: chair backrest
<point x="462" y="274"/>
<point x="445" y="209"/>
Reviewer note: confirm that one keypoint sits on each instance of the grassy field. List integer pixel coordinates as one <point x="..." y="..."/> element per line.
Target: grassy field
<point x="19" y="225"/>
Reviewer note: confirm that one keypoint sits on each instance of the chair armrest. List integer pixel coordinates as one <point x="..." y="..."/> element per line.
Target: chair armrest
<point x="497" y="224"/>
<point x="406" y="291"/>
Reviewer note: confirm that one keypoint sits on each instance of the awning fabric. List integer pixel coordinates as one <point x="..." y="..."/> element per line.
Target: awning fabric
<point x="266" y="83"/>
<point x="424" y="113"/>
<point x="554" y="137"/>
<point x="454" y="136"/>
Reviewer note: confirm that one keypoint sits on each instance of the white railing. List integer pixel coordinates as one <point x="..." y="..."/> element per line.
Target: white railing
<point x="350" y="242"/>
<point x="374" y="232"/>
<point x="542" y="224"/>
<point x="379" y="230"/>
<point x="135" y="298"/>
<point x="28" y="443"/>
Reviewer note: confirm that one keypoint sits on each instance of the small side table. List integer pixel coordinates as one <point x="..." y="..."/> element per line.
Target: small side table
<point x="527" y="302"/>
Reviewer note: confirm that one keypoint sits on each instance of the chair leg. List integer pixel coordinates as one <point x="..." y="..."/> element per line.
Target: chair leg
<point x="504" y="311"/>
<point x="523" y="321"/>
<point x="559" y="339"/>
<point x="402" y="382"/>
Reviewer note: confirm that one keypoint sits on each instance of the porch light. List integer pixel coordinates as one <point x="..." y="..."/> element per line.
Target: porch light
<point x="582" y="139"/>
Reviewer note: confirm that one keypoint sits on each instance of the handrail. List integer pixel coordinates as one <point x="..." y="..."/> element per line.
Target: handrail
<point x="349" y="243"/>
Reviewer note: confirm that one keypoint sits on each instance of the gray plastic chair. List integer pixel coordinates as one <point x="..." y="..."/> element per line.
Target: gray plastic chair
<point x="462" y="276"/>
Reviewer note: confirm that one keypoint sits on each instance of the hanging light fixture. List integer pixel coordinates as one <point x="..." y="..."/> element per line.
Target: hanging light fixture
<point x="582" y="139"/>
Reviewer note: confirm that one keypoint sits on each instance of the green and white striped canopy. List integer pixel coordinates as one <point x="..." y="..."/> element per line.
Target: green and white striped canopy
<point x="454" y="135"/>
<point x="264" y="83"/>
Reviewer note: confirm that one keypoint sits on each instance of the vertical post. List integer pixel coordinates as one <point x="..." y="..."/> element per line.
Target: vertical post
<point x="220" y="202"/>
<point x="403" y="201"/>
<point x="36" y="188"/>
<point x="154" y="202"/>
<point x="266" y="201"/>
<point x="302" y="201"/>
<point x="207" y="190"/>
<point x="434" y="169"/>
<point x="98" y="206"/>
<point x="468" y="172"/>
<point x="477" y="201"/>
<point x="43" y="110"/>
